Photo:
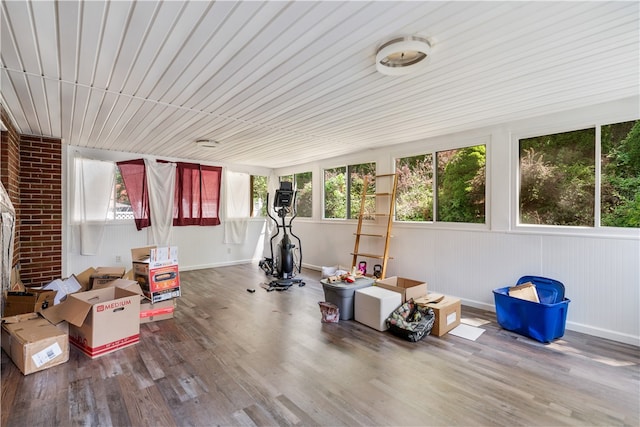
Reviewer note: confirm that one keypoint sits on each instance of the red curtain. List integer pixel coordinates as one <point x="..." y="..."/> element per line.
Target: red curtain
<point x="196" y="198"/>
<point x="135" y="182"/>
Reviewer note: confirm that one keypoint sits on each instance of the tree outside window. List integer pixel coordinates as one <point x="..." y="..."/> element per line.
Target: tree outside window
<point x="620" y="190"/>
<point x="414" y="192"/>
<point x="461" y="185"/>
<point x="343" y="188"/>
<point x="558" y="177"/>
<point x="460" y="193"/>
<point x="258" y="195"/>
<point x="303" y="183"/>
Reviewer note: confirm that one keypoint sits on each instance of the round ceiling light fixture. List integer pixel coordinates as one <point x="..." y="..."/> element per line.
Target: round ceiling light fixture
<point x="403" y="55"/>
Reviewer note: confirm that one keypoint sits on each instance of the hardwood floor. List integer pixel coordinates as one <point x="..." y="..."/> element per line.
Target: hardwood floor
<point x="234" y="358"/>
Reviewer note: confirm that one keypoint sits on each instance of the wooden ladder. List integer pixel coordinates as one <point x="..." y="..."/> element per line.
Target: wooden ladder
<point x="390" y="197"/>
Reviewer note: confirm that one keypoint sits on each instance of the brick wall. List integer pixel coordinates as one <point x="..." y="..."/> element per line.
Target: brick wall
<point x="31" y="171"/>
<point x="40" y="210"/>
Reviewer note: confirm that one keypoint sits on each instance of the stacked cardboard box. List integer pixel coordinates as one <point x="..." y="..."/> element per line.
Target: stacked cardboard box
<point x="156" y="270"/>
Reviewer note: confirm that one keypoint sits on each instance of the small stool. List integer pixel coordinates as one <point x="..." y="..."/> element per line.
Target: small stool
<point x="374" y="304"/>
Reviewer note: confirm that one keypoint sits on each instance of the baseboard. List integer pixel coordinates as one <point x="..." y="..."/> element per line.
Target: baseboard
<point x="217" y="264"/>
<point x="572" y="326"/>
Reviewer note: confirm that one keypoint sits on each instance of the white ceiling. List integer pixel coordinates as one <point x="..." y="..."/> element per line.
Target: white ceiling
<point x="284" y="83"/>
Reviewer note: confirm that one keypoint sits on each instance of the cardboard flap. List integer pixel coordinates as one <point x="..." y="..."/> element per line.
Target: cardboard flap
<point x="84" y="278"/>
<point x="73" y="310"/>
<point x="141" y="254"/>
<point x="130" y="285"/>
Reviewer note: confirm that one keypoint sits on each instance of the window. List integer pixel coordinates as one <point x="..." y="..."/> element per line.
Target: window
<point x="120" y="200"/>
<point x="620" y="188"/>
<point x="414" y="192"/>
<point x="460" y="186"/>
<point x="303" y="183"/>
<point x="343" y="188"/>
<point x="196" y="197"/>
<point x="559" y="177"/>
<point x="258" y="195"/>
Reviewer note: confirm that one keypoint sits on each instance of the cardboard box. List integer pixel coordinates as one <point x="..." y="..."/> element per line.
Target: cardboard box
<point x="447" y="310"/>
<point x="100" y="321"/>
<point x="526" y="291"/>
<point x="162" y="310"/>
<point x="103" y="275"/>
<point x="33" y="343"/>
<point x="407" y="287"/>
<point x="29" y="301"/>
<point x="156" y="270"/>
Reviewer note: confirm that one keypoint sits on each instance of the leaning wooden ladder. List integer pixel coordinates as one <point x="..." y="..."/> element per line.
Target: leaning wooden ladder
<point x="388" y="215"/>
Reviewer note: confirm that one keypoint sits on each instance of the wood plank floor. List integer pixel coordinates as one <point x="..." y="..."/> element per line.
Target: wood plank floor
<point x="234" y="358"/>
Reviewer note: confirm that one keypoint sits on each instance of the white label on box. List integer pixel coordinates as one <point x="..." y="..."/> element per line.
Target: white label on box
<point x="451" y="318"/>
<point x="47" y="355"/>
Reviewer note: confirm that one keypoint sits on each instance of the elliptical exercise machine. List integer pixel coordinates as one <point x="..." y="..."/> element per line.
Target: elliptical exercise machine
<point x="284" y="266"/>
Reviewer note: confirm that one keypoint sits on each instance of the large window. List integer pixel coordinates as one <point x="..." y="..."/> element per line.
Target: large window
<point x="303" y="183"/>
<point x="343" y="188"/>
<point x="459" y="186"/>
<point x="559" y="177"/>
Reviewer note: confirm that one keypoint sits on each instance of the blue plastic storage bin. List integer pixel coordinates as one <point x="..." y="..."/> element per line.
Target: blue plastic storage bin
<point x="543" y="321"/>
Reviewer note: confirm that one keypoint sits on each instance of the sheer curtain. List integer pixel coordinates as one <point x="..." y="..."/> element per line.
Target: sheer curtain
<point x="237" y="207"/>
<point x="94" y="181"/>
<point x="161" y="179"/>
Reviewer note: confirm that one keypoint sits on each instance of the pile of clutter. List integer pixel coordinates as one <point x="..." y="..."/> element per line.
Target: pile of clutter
<point x="97" y="311"/>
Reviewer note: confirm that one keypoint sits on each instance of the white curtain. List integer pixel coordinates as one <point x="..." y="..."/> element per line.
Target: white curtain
<point x="237" y="206"/>
<point x="93" y="195"/>
<point x="7" y="234"/>
<point x="161" y="181"/>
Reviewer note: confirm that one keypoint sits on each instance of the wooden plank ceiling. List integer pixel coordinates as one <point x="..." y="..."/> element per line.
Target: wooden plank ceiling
<point x="284" y="83"/>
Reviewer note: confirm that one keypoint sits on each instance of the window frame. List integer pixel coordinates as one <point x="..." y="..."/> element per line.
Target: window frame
<point x="544" y="229"/>
<point x="293" y="176"/>
<point x="347" y="188"/>
<point x="446" y="145"/>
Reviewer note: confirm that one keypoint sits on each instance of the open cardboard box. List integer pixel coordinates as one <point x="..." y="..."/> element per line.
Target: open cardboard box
<point x="101" y="320"/>
<point x="407" y="287"/>
<point x="447" y="310"/>
<point x="33" y="343"/>
<point x="27" y="301"/>
<point x="102" y="275"/>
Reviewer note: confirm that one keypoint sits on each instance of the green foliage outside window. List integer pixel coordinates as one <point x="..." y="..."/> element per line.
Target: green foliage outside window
<point x="461" y="185"/>
<point x="557" y="179"/>
<point x="342" y="195"/>
<point x="335" y="193"/>
<point x="304" y="199"/>
<point x="303" y="183"/>
<point x="620" y="189"/>
<point x="357" y="173"/>
<point x="414" y="192"/>
<point x="258" y="195"/>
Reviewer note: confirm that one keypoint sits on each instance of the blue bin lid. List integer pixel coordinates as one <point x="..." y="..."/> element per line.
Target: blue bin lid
<point x="550" y="291"/>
